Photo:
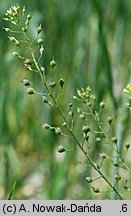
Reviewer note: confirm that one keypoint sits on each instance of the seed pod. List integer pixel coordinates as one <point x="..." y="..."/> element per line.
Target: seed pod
<point x="58" y="131"/>
<point x="42" y="69"/>
<point x="52" y="63"/>
<point x="102" y="104"/>
<point x="12" y="39"/>
<point x="7" y="29"/>
<point x="71" y="114"/>
<point x="115" y="164"/>
<point x="52" y="84"/>
<point x="46" y="126"/>
<point x="96" y="190"/>
<point x="27" y="61"/>
<point x="86" y="129"/>
<point x="61" y="82"/>
<point x="82" y="116"/>
<point x="117" y="177"/>
<point x="26" y="82"/>
<point x="86" y="137"/>
<point x="114" y="140"/>
<point x="17" y="43"/>
<point x="89" y="179"/>
<point x="15" y="54"/>
<point x="40" y="41"/>
<point x="30" y="91"/>
<point x="98" y="139"/>
<point x="103" y="155"/>
<point x="61" y="149"/>
<point x="110" y="120"/>
<point x="127" y="146"/>
<point x="29" y="16"/>
<point x="45" y="99"/>
<point x="39" y="29"/>
<point x="64" y="124"/>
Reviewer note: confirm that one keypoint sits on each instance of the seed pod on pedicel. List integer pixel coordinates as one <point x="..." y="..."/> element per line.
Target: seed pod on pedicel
<point x="39" y="29"/>
<point x="96" y="190"/>
<point x="89" y="179"/>
<point x="40" y="41"/>
<point x="46" y="126"/>
<point x="52" y="84"/>
<point x="52" y="63"/>
<point x="110" y="120"/>
<point x="86" y="129"/>
<point x="61" y="82"/>
<point x="58" y="131"/>
<point x="26" y="82"/>
<point x="61" y="149"/>
<point x="30" y="91"/>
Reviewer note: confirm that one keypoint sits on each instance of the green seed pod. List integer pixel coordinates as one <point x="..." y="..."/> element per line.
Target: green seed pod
<point x="64" y="124"/>
<point x="61" y="149"/>
<point x="40" y="41"/>
<point x="117" y="177"/>
<point x="42" y="69"/>
<point x="98" y="139"/>
<point x="86" y="129"/>
<point x="7" y="29"/>
<point x="58" y="131"/>
<point x="12" y="39"/>
<point x="86" y="137"/>
<point x="102" y="104"/>
<point x="52" y="63"/>
<point x="61" y="82"/>
<point x="114" y="140"/>
<point x="15" y="54"/>
<point x="52" y="84"/>
<point x="110" y="120"/>
<point x="27" y="61"/>
<point x="45" y="99"/>
<point x="71" y="114"/>
<point x="96" y="190"/>
<point x="39" y="29"/>
<point x="127" y="146"/>
<point x="29" y="16"/>
<point x="89" y="179"/>
<point x="30" y="91"/>
<point x="46" y="126"/>
<point x="82" y="116"/>
<point x="26" y="82"/>
<point x="103" y="155"/>
<point x="115" y="164"/>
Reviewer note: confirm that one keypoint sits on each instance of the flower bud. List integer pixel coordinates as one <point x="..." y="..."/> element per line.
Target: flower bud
<point x="27" y="61"/>
<point x="30" y="91"/>
<point x="12" y="39"/>
<point x="7" y="29"/>
<point x="42" y="69"/>
<point x="61" y="149"/>
<point x="71" y="114"/>
<point x="64" y="124"/>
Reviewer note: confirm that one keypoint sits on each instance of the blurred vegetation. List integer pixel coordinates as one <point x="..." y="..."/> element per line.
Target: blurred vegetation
<point x="90" y="40"/>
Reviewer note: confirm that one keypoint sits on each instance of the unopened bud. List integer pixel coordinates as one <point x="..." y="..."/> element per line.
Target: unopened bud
<point x="40" y="41"/>
<point x="29" y="16"/>
<point x="110" y="120"/>
<point x="52" y="84"/>
<point x="86" y="129"/>
<point x="58" y="131"/>
<point x="46" y="126"/>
